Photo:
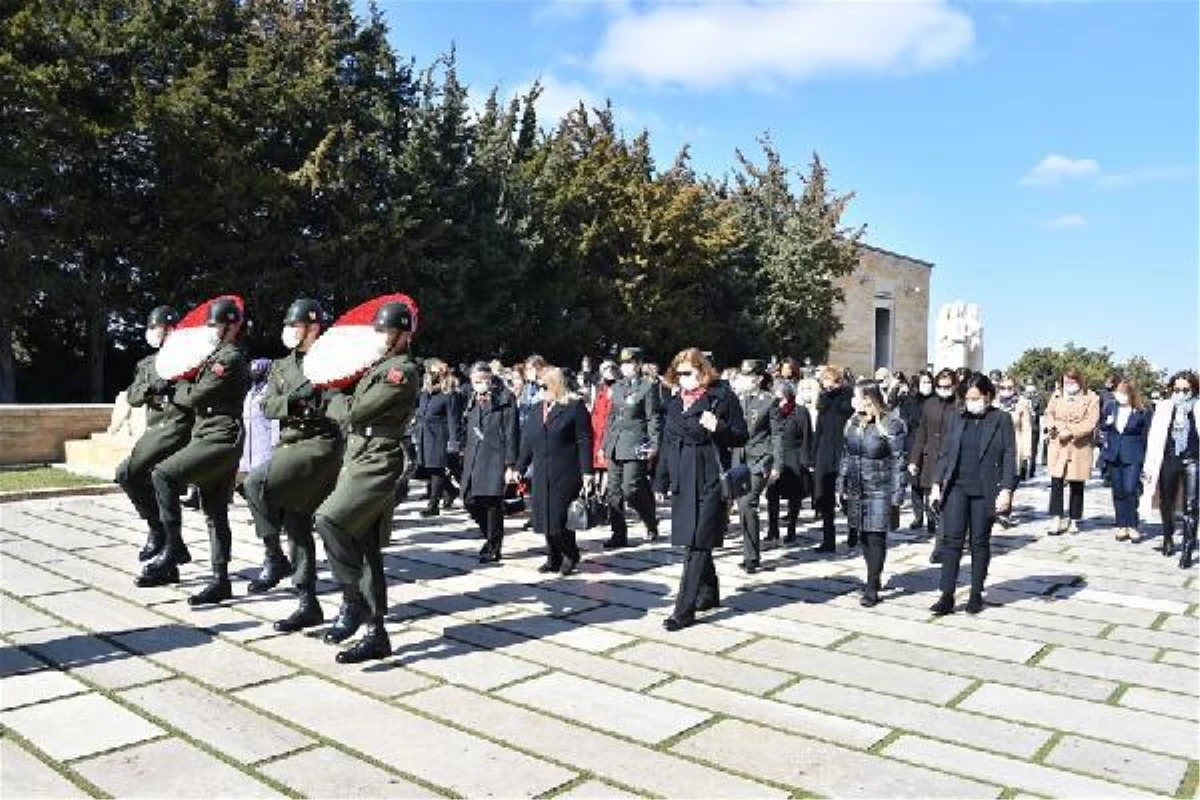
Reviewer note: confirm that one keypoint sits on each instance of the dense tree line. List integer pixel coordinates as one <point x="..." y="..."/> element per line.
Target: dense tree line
<point x="167" y="150"/>
<point x="1045" y="366"/>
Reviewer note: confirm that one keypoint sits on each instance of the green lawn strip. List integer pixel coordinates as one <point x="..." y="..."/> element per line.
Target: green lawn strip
<point x="1191" y="780"/>
<point x="41" y="476"/>
<point x="68" y="774"/>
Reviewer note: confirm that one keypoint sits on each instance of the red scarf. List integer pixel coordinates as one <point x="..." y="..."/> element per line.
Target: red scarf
<point x="690" y="396"/>
<point x="786" y="407"/>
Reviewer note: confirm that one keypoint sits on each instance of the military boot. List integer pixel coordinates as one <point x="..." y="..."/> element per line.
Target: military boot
<point x="275" y="568"/>
<point x="374" y="645"/>
<point x="217" y="590"/>
<point x="156" y="540"/>
<point x="350" y="618"/>
<point x="306" y="615"/>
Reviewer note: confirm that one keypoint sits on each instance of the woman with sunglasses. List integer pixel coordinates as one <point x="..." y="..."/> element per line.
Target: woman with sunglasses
<point x="703" y="421"/>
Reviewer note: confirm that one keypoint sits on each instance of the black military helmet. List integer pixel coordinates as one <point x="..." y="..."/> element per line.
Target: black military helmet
<point x="395" y="315"/>
<point x="164" y="316"/>
<point x="223" y="310"/>
<point x="753" y="366"/>
<point x="305" y="310"/>
<point x="631" y="354"/>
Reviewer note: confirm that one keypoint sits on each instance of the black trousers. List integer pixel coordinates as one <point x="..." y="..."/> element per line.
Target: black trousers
<point x="919" y="498"/>
<point x="560" y="545"/>
<point x="628" y="482"/>
<point x="1125" y="482"/>
<point x="826" y="506"/>
<point x="1056" y="498"/>
<point x="774" y="496"/>
<point x="270" y="521"/>
<point x="698" y="582"/>
<point x="874" y="548"/>
<point x="1178" y="476"/>
<point x="748" y="516"/>
<point x="357" y="562"/>
<point x="214" y="502"/>
<point x="963" y="514"/>
<point x="488" y="514"/>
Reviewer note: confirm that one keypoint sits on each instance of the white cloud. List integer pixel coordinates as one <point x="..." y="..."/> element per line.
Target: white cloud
<point x="1055" y="169"/>
<point x="559" y="97"/>
<point x="1147" y="175"/>
<point x="705" y="45"/>
<point x="1066" y="222"/>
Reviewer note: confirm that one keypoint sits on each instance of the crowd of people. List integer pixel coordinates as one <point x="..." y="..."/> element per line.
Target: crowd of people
<point x="575" y="448"/>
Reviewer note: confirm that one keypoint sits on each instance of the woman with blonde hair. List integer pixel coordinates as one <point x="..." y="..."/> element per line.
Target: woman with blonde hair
<point x="703" y="421"/>
<point x="557" y="441"/>
<point x="1070" y="422"/>
<point x="1125" y="430"/>
<point x="436" y="431"/>
<point x="1172" y="472"/>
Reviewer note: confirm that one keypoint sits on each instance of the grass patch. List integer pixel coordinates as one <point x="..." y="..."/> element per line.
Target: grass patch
<point x="1191" y="780"/>
<point x="1160" y="621"/>
<point x="879" y="746"/>
<point x="1039" y="655"/>
<point x="1045" y="749"/>
<point x="1114" y="699"/>
<point x="24" y="479"/>
<point x="964" y="694"/>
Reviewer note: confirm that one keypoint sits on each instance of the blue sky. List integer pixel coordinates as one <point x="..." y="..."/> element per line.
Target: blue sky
<point x="1043" y="155"/>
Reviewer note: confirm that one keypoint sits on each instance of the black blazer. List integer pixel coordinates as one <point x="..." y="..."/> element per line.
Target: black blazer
<point x="997" y="453"/>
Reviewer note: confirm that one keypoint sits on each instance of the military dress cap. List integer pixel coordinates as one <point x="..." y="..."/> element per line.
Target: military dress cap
<point x="162" y="315"/>
<point x="394" y="315"/>
<point x="631" y="354"/>
<point x="753" y="366"/>
<point x="305" y="310"/>
<point x="224" y="309"/>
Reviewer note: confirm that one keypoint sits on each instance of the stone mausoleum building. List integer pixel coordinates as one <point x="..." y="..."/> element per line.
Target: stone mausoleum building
<point x="885" y="315"/>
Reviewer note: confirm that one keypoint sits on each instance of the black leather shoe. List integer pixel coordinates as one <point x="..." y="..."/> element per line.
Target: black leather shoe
<point x="771" y="542"/>
<point x="549" y="566"/>
<point x="935" y="557"/>
<point x="944" y="605"/>
<point x="790" y="538"/>
<point x="162" y="575"/>
<point x="616" y="542"/>
<point x="350" y="618"/>
<point x="431" y="510"/>
<point x="673" y="623"/>
<point x="869" y="598"/>
<point x="155" y="542"/>
<point x="273" y="571"/>
<point x="1168" y="546"/>
<point x="216" y="591"/>
<point x="1186" y="551"/>
<point x="916" y="525"/>
<point x="183" y="555"/>
<point x="307" y="615"/>
<point x="975" y="603"/>
<point x="708" y="604"/>
<point x="569" y="565"/>
<point x="373" y="646"/>
<point x="750" y="568"/>
<point x="825" y="548"/>
<point x="653" y="533"/>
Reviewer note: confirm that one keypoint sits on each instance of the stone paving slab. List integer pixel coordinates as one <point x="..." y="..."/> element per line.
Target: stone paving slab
<point x="16" y="616"/>
<point x="453" y="661"/>
<point x="170" y="768"/>
<point x="23" y="775"/>
<point x="409" y="743"/>
<point x="1123" y="669"/>
<point x="823" y="768"/>
<point x="79" y="726"/>
<point x="1124" y="764"/>
<point x="35" y="687"/>
<point x="312" y="654"/>
<point x="1170" y="704"/>
<point x="99" y="612"/>
<point x="1172" y="641"/>
<point x="14" y="661"/>
<point x="199" y="654"/>
<point x="26" y="580"/>
<point x="326" y="772"/>
<point x="78" y="653"/>
<point x="595" y="790"/>
<point x="746" y="677"/>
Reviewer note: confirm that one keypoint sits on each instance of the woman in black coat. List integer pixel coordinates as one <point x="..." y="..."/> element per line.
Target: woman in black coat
<point x="872" y="479"/>
<point x="557" y="441"/>
<point x="910" y="407"/>
<point x="833" y="409"/>
<point x="974" y="480"/>
<point x="437" y="432"/>
<point x="926" y="443"/>
<point x="489" y="456"/>
<point x="791" y="472"/>
<point x="701" y="423"/>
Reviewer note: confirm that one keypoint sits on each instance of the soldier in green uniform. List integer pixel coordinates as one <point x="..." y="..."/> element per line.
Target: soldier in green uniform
<point x="168" y="428"/>
<point x="757" y="454"/>
<point x="284" y="492"/>
<point x="630" y="442"/>
<point x="355" y="520"/>
<point x="210" y="458"/>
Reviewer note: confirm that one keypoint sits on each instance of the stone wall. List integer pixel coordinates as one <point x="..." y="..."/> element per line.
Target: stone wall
<point x="35" y="433"/>
<point x="894" y="282"/>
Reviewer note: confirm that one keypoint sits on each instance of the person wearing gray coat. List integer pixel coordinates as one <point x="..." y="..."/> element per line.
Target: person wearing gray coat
<point x="872" y="480"/>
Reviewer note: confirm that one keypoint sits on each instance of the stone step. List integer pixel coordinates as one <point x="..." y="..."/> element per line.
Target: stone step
<point x="97" y="458"/>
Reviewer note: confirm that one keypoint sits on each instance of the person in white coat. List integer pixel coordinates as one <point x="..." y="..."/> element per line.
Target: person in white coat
<point x="1170" y="478"/>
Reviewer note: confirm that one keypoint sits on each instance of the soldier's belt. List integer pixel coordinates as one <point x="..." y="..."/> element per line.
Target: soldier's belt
<point x="217" y="411"/>
<point x="378" y="431"/>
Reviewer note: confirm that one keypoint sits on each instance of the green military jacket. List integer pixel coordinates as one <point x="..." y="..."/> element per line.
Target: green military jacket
<point x="215" y="396"/>
<point x="374" y="416"/>
<point x="758" y="451"/>
<point x="634" y="417"/>
<point x="304" y="465"/>
<point x="168" y="426"/>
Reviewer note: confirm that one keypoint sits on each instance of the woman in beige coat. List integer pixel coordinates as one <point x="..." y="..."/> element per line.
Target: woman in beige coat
<point x="1070" y="426"/>
<point x="1020" y="410"/>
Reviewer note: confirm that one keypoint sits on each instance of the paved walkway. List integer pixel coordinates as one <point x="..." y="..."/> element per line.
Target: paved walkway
<point x="1078" y="680"/>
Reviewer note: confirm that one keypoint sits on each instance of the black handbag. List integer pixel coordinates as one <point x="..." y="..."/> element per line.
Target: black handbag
<point x="583" y="512"/>
<point x="735" y="481"/>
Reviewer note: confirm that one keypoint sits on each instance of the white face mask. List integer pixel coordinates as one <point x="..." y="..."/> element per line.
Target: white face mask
<point x="856" y="403"/>
<point x="945" y="394"/>
<point x="155" y="337"/>
<point x="291" y="337"/>
<point x="1070" y="387"/>
<point x="481" y="387"/>
<point x="628" y="369"/>
<point x="1029" y="389"/>
<point x="1121" y="397"/>
<point x="688" y="382"/>
<point x="976" y="407"/>
<point x="1006" y="393"/>
<point x="926" y="388"/>
<point x="381" y="343"/>
<point x="212" y="335"/>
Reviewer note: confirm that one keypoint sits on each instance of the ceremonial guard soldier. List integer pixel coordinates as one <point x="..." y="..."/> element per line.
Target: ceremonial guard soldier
<point x="168" y="428"/>
<point x="757" y="454"/>
<point x="284" y="492"/>
<point x="630" y="443"/>
<point x="213" y="391"/>
<point x="355" y="520"/>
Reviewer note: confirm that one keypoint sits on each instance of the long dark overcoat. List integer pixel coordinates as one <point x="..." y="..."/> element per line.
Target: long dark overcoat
<point x="559" y="447"/>
<point x="438" y="428"/>
<point x="492" y="440"/>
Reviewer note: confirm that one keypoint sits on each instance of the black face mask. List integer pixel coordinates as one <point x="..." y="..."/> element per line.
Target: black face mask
<point x="609" y="381"/>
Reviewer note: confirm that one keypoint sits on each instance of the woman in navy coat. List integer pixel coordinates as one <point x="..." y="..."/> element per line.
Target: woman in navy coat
<point x="437" y="430"/>
<point x="701" y="423"/>
<point x="557" y="441"/>
<point x="1125" y="427"/>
